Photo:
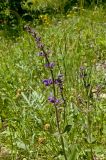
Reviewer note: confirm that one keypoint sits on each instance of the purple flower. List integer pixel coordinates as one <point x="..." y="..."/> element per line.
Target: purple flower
<point x="50" y="65"/>
<point x="48" y="82"/>
<point x="59" y="79"/>
<point x="59" y="82"/>
<point x="41" y="53"/>
<point x="38" y="39"/>
<point x="60" y="75"/>
<point x="83" y="73"/>
<point x="33" y="32"/>
<point x="82" y="68"/>
<point x="40" y="45"/>
<point x="53" y="100"/>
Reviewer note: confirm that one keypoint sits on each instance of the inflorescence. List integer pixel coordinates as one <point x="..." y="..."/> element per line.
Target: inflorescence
<point x="49" y="65"/>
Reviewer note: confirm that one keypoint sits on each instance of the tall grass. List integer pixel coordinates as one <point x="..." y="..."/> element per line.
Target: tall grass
<point x="28" y="127"/>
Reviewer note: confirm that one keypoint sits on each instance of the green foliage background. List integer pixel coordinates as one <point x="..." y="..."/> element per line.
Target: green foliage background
<point x="75" y="34"/>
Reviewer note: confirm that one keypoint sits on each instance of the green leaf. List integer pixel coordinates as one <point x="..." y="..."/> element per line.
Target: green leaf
<point x="22" y="145"/>
<point x="73" y="155"/>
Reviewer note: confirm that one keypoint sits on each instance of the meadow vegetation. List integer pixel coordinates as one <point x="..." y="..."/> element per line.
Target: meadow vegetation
<point x="76" y="43"/>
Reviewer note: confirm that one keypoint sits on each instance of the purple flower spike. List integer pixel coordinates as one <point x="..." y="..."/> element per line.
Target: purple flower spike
<point x="47" y="82"/>
<point x="50" y="65"/>
<point x="53" y="100"/>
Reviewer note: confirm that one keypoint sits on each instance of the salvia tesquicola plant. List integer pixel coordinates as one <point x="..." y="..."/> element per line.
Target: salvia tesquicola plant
<point x="54" y="82"/>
